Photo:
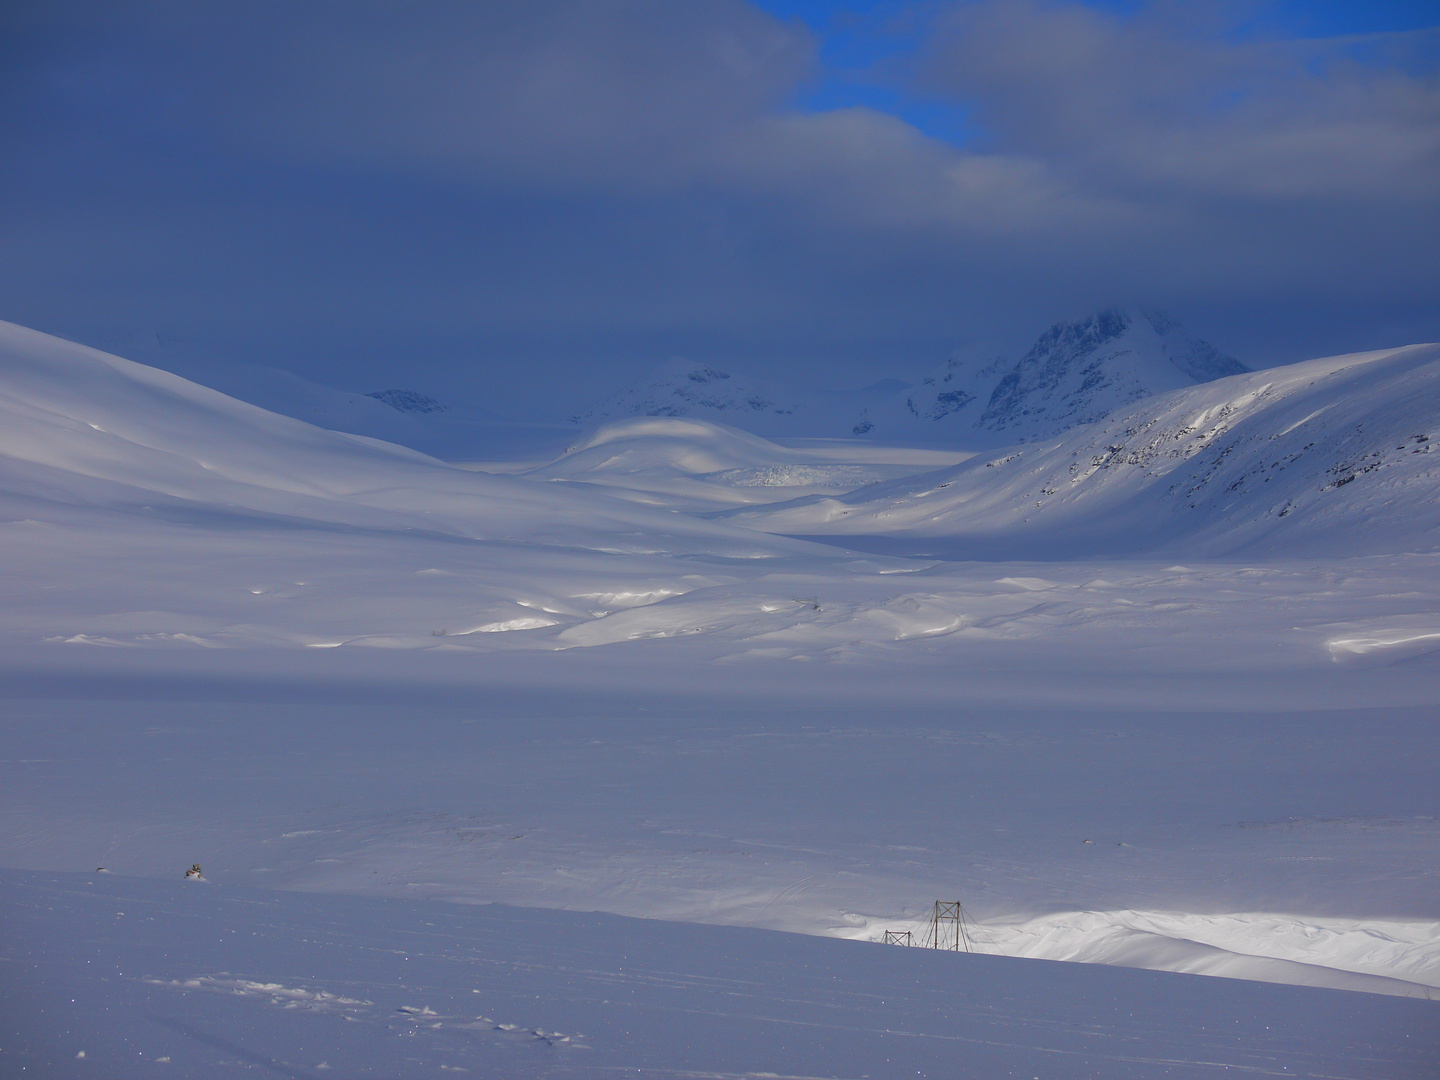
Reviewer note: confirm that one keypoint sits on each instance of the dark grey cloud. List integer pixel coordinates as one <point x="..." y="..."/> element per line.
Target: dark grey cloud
<point x="534" y="201"/>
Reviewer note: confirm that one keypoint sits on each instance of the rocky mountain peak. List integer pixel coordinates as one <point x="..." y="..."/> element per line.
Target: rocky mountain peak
<point x="1081" y="371"/>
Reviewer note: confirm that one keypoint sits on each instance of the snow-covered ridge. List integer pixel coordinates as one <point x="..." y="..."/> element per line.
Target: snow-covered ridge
<point x="1382" y="956"/>
<point x="1075" y="373"/>
<point x="1331" y="455"/>
<point x="85" y="428"/>
<point x="685" y="445"/>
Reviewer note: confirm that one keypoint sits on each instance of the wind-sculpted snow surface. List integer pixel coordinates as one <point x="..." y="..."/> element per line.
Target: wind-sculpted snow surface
<point x="1327" y="456"/>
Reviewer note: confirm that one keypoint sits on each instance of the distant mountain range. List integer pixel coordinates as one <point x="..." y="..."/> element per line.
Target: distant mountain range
<point x="1075" y="373"/>
<point x="683" y="389"/>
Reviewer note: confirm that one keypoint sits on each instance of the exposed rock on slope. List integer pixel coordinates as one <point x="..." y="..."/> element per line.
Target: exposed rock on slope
<point x="407" y="401"/>
<point x="1080" y="372"/>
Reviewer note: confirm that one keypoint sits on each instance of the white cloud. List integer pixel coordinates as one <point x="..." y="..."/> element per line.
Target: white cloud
<point x="1159" y="107"/>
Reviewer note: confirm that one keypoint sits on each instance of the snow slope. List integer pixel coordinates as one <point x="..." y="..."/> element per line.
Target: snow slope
<point x="1297" y="842"/>
<point x="697" y="465"/>
<point x="455" y="430"/>
<point x="1326" y="456"/>
<point x="82" y="428"/>
<point x="160" y="978"/>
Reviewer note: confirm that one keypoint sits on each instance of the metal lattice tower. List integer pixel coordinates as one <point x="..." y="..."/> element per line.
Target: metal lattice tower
<point x="947" y="927"/>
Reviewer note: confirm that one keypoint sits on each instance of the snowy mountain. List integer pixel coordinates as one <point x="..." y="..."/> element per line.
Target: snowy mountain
<point x="942" y="408"/>
<point x="1074" y="374"/>
<point x="683" y="388"/>
<point x="1327" y="455"/>
<point x="1080" y="372"/>
<point x="83" y="428"/>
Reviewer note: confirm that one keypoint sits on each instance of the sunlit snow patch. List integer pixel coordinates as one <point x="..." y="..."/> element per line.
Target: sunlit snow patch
<point x="1374" y="955"/>
<point x="525" y="622"/>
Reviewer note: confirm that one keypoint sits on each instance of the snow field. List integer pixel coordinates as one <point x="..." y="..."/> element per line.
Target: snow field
<point x="138" y="978"/>
<point x="1247" y="845"/>
<point x="321" y="664"/>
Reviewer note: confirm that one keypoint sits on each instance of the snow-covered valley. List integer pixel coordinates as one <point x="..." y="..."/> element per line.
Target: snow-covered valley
<point x="1158" y="692"/>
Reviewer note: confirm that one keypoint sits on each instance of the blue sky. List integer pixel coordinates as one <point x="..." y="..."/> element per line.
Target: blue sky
<point x="523" y="206"/>
<point x="858" y="40"/>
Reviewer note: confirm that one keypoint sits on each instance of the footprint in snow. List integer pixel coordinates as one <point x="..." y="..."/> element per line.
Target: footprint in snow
<point x="549" y="1038"/>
